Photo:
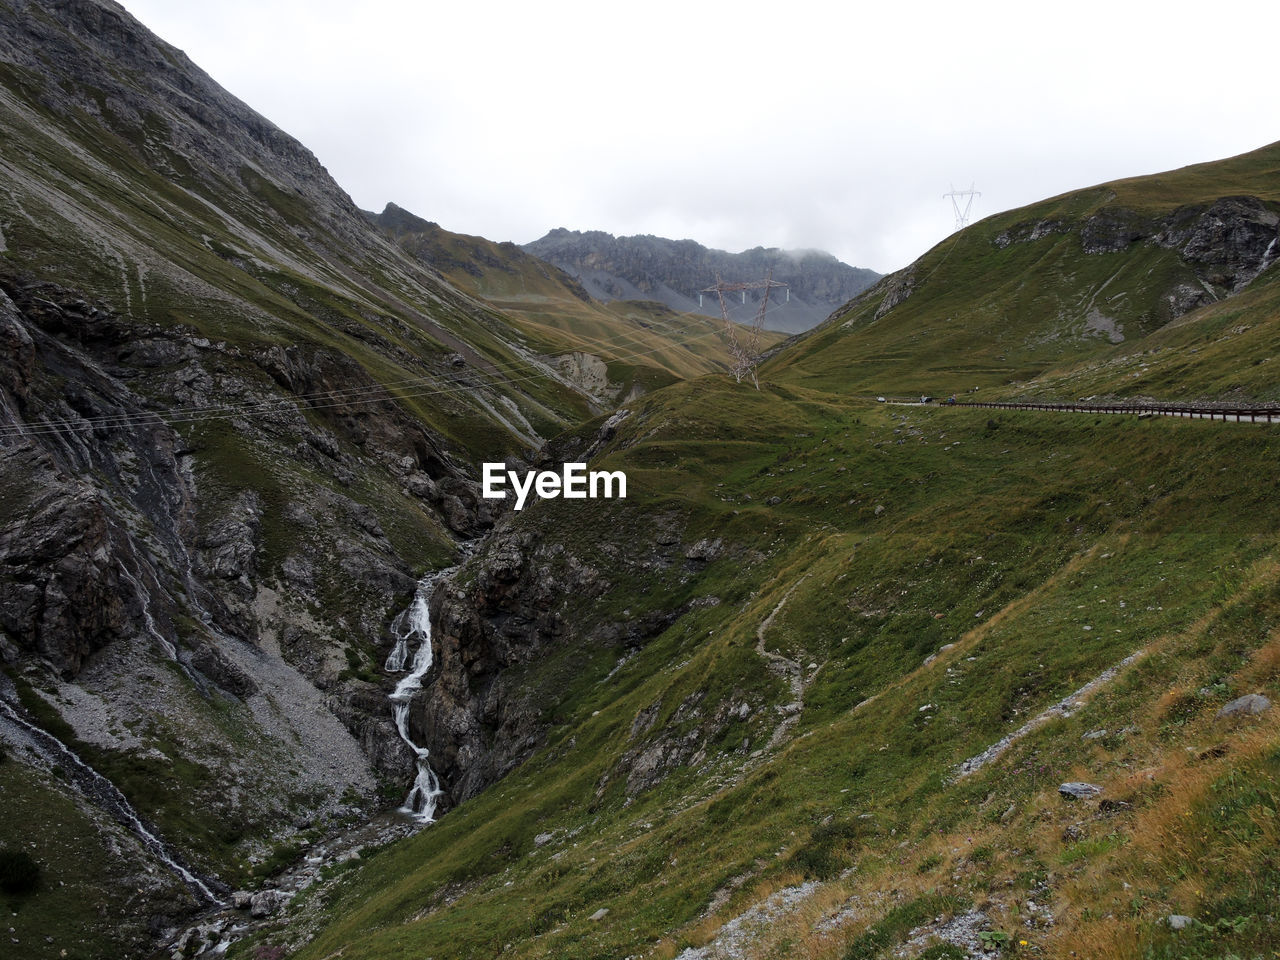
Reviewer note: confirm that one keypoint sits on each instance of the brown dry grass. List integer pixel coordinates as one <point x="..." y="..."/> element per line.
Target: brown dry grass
<point x="1163" y="835"/>
<point x="1097" y="902"/>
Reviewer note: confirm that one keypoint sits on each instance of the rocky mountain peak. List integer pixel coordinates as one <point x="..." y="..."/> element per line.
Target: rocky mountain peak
<point x="674" y="272"/>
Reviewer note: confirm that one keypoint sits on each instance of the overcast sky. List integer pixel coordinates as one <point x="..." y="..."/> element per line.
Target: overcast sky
<point x="797" y="124"/>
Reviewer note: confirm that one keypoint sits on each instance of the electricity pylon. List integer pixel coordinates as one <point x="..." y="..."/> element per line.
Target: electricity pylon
<point x="962" y="216"/>
<point x="745" y="356"/>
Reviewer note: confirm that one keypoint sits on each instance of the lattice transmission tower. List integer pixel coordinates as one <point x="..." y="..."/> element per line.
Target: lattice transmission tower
<point x="962" y="213"/>
<point x="745" y="355"/>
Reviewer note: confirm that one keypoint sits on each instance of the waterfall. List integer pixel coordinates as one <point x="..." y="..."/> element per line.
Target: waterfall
<point x="414" y="623"/>
<point x="98" y="788"/>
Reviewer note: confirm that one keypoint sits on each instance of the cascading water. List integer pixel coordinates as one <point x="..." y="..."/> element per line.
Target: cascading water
<point x="94" y="785"/>
<point x="409" y="625"/>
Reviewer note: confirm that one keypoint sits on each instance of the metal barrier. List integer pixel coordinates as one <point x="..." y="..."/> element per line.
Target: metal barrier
<point x="1237" y="414"/>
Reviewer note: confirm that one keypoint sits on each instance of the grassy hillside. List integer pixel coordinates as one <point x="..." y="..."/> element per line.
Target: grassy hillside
<point x="938" y="578"/>
<point x="1083" y="278"/>
<point x="1223" y="351"/>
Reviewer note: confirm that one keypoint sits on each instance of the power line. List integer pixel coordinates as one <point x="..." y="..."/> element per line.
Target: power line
<point x="191" y="414"/>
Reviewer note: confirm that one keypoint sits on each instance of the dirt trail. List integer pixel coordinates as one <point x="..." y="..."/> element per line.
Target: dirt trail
<point x="786" y="666"/>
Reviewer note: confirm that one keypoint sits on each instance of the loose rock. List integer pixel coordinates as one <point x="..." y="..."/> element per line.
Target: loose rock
<point x="1249" y="705"/>
<point x="1079" y="791"/>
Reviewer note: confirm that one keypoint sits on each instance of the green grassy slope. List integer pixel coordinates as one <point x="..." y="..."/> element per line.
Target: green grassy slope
<point x="1044" y="548"/>
<point x="1083" y="278"/>
<point x="1223" y="351"/>
<point x="85" y="901"/>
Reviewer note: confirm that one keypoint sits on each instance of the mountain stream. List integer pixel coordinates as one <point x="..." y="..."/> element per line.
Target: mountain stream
<point x="104" y="793"/>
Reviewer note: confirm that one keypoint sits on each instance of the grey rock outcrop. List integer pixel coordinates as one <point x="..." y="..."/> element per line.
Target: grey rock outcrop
<point x="1079" y="791"/>
<point x="1224" y="245"/>
<point x="1110" y="231"/>
<point x="267" y="903"/>
<point x="61" y="594"/>
<point x="1229" y="242"/>
<point x="901" y="286"/>
<point x="1250" y="705"/>
<point x="475" y="724"/>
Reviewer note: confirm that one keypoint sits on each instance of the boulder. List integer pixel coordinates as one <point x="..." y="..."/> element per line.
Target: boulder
<point x="1249" y="705"/>
<point x="267" y="903"/>
<point x="1079" y="791"/>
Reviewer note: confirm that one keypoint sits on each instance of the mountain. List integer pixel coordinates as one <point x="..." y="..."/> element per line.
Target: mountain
<point x="674" y="272"/>
<point x="629" y="344"/>
<point x="836" y="678"/>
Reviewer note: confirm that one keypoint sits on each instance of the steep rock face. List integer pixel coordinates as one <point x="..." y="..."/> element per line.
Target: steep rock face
<point x="209" y="134"/>
<point x="1231" y="241"/>
<point x="503" y="614"/>
<point x="61" y="595"/>
<point x="674" y="271"/>
<point x="105" y="534"/>
<point x="78" y="376"/>
<point x="899" y="289"/>
<point x="511" y="623"/>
